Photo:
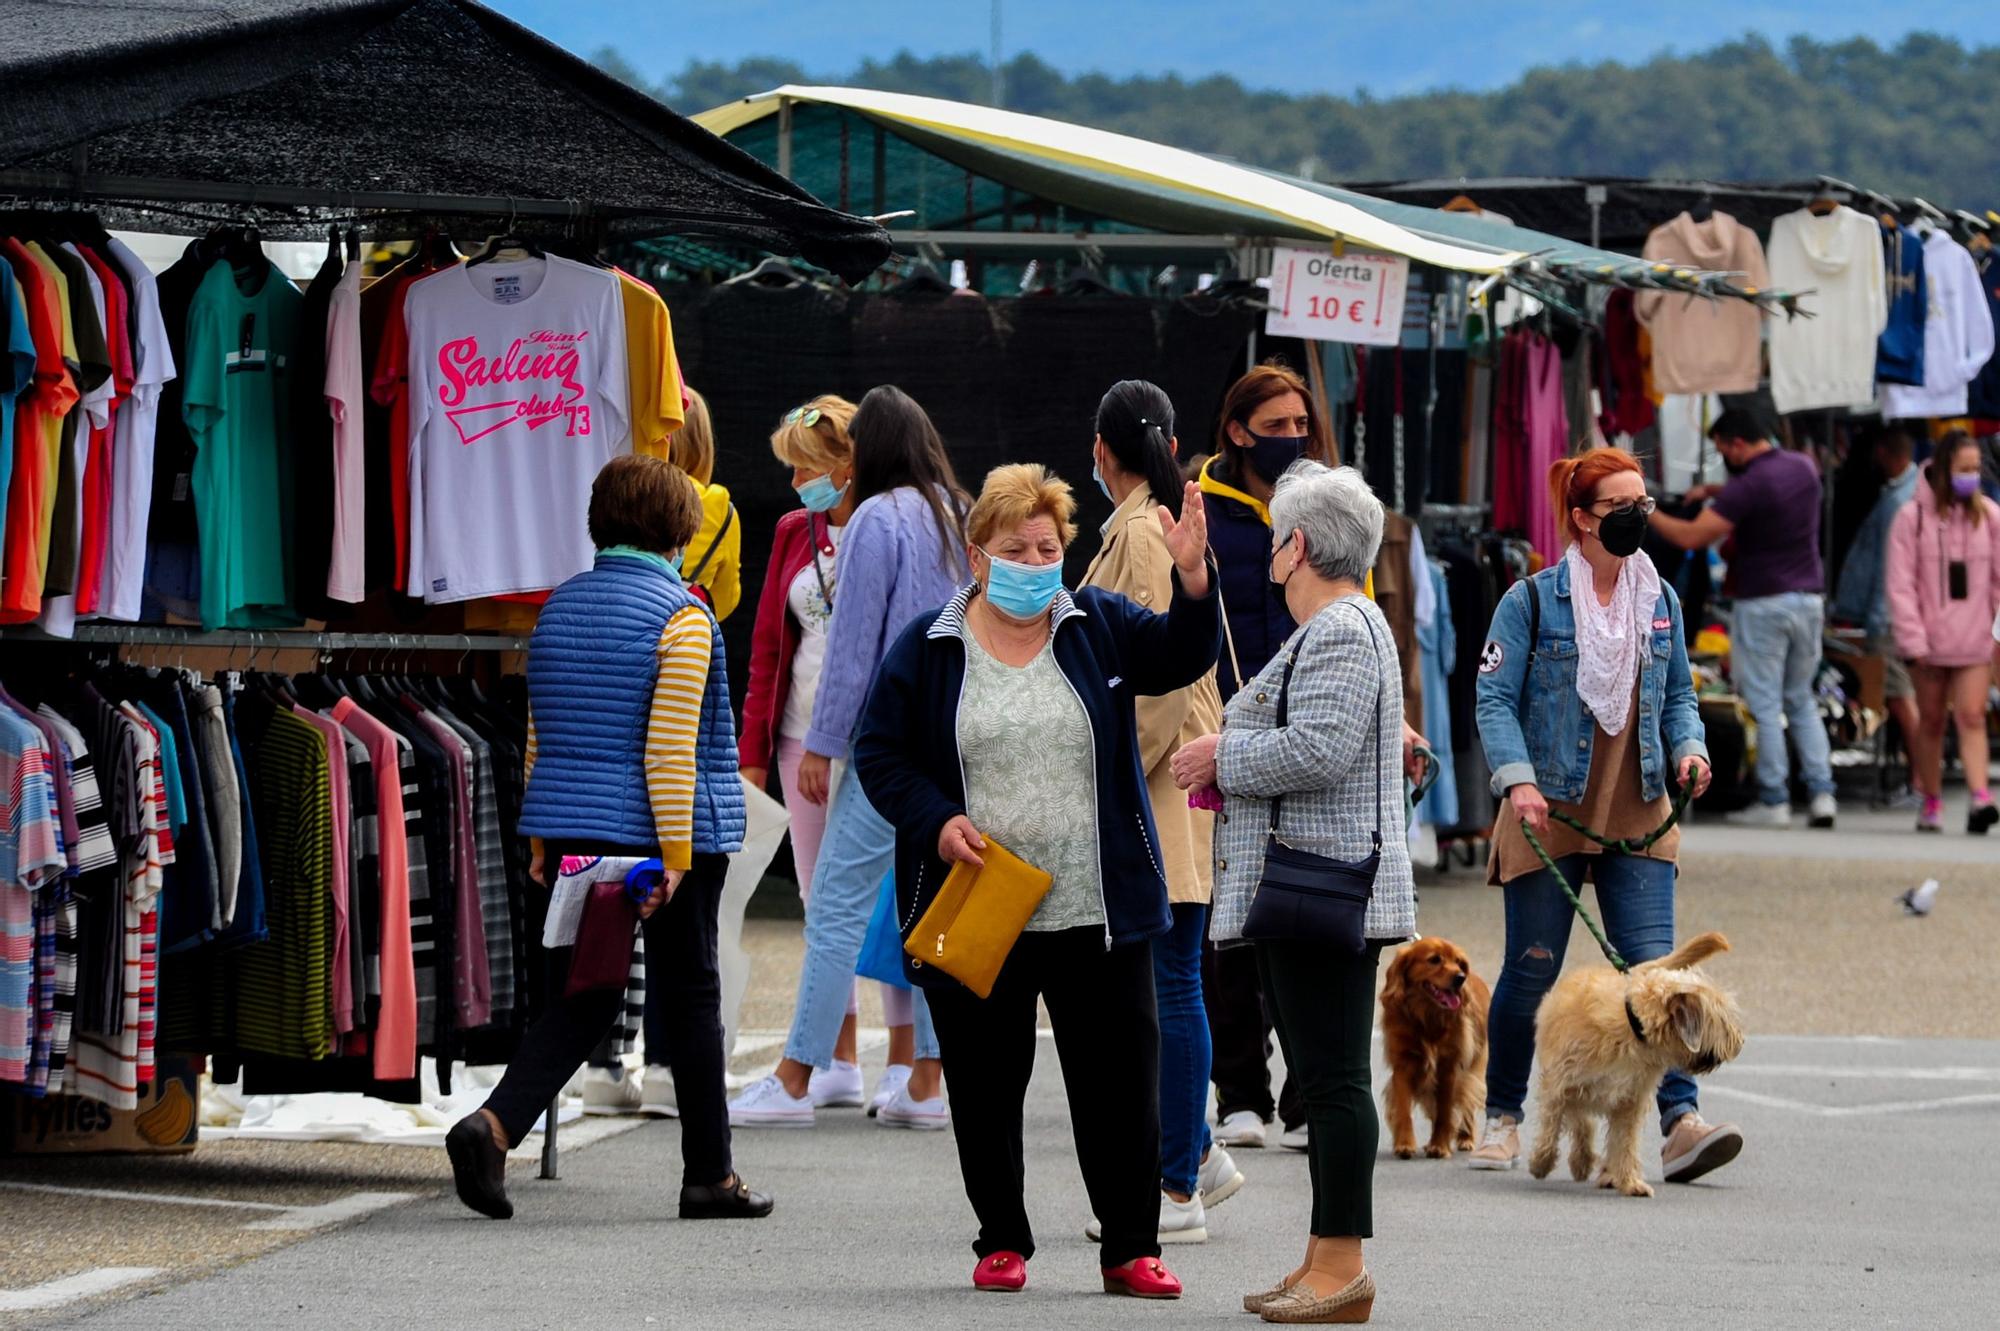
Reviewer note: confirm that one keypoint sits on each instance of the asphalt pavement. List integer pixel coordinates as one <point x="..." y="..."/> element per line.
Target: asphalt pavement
<point x="1869" y="1095"/>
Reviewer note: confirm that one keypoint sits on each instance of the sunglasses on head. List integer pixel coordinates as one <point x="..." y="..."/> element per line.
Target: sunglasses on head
<point x="806" y="416"/>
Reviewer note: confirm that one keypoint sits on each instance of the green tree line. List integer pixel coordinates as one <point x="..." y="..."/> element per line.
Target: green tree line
<point x="1906" y="118"/>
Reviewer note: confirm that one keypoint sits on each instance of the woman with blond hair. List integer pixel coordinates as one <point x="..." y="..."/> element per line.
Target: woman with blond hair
<point x="714" y="557"/>
<point x="1009" y="714"/>
<point x="787" y="654"/>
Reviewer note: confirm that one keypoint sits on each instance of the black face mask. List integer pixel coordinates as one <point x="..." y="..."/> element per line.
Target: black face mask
<point x="1274" y="454"/>
<point x="1622" y="531"/>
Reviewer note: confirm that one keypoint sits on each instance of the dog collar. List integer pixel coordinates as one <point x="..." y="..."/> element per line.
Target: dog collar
<point x="1632" y="1018"/>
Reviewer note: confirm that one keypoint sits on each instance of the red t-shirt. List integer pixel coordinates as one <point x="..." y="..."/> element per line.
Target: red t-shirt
<point x="98" y="465"/>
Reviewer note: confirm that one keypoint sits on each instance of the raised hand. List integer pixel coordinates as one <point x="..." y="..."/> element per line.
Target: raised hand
<point x="1187" y="540"/>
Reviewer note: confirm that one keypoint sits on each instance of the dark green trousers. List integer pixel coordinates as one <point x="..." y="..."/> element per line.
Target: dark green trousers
<point x="1323" y="1005"/>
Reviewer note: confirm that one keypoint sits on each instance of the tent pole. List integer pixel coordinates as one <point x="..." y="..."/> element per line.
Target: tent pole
<point x="785" y="137"/>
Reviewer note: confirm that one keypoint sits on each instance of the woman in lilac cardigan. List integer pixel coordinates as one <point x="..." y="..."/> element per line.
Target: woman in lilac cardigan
<point x="902" y="555"/>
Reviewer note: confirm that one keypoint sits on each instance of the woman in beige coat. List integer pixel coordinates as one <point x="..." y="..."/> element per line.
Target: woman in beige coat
<point x="1133" y="463"/>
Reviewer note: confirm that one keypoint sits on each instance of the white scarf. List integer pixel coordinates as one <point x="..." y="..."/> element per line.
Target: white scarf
<point x="1611" y="638"/>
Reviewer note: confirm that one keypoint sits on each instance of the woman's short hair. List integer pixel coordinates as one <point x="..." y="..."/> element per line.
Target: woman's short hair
<point x="645" y="502"/>
<point x="1013" y="494"/>
<point x="1339" y="514"/>
<point x="693" y="445"/>
<point x="821" y="446"/>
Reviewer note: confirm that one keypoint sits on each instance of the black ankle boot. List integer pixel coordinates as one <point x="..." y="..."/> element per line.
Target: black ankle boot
<point x="479" y="1167"/>
<point x="716" y="1201"/>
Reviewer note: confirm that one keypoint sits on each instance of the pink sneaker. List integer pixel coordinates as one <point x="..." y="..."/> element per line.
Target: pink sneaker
<point x="1931" y="819"/>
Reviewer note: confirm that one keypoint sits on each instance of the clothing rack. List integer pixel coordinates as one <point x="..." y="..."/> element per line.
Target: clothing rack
<point x="153" y="635"/>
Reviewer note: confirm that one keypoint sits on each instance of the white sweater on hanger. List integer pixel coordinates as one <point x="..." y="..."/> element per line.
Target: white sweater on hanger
<point x="1827" y="360"/>
<point x="1958" y="335"/>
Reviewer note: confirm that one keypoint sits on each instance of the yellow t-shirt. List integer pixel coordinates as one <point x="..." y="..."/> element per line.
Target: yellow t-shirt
<point x="722" y="574"/>
<point x="653" y="372"/>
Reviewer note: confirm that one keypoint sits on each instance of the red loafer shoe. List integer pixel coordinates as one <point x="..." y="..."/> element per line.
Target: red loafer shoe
<point x="1002" y="1272"/>
<point x="1142" y="1278"/>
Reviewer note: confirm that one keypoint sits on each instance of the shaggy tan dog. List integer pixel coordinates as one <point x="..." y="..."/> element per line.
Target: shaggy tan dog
<point x="1604" y="1040"/>
<point x="1434" y="1037"/>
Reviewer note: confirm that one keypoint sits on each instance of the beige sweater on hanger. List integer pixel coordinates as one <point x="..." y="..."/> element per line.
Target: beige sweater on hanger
<point x="1704" y="345"/>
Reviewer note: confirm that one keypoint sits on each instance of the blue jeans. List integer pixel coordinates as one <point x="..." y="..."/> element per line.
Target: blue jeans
<point x="857" y="853"/>
<point x="1774" y="652"/>
<point x="1184" y="1048"/>
<point x="1635" y="899"/>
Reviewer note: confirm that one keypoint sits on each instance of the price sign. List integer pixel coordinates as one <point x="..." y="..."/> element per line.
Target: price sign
<point x="1326" y="297"/>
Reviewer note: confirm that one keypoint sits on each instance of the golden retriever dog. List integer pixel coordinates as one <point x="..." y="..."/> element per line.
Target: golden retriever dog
<point x="1604" y="1040"/>
<point x="1434" y="1036"/>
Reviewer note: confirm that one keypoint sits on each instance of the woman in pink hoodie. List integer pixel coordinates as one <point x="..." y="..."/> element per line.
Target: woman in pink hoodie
<point x="1944" y="589"/>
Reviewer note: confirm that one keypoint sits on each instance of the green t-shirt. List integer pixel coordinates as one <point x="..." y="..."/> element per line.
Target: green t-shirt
<point x="237" y="378"/>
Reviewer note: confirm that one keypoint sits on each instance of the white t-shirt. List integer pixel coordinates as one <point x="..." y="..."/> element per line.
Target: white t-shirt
<point x="346" y="573"/>
<point x="518" y="397"/>
<point x="813" y="612"/>
<point x="132" y="440"/>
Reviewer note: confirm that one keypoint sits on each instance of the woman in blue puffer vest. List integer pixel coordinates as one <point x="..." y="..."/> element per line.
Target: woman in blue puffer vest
<point x="631" y="753"/>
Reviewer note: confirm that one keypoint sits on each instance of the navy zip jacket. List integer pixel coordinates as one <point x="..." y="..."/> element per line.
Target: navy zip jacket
<point x="1111" y="651"/>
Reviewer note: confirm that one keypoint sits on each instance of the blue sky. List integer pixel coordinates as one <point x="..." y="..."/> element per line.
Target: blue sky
<point x="1296" y="47"/>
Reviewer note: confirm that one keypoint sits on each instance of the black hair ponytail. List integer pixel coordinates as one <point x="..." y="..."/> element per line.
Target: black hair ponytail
<point x="1136" y="422"/>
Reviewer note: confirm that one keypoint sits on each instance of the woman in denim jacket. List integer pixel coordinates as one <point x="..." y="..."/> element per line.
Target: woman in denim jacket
<point x="1588" y="718"/>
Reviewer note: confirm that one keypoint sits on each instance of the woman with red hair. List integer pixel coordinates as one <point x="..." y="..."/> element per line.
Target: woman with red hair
<point x="1585" y="705"/>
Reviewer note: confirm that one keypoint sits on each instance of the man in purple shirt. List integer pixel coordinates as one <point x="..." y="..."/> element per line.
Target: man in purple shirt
<point x="1772" y="506"/>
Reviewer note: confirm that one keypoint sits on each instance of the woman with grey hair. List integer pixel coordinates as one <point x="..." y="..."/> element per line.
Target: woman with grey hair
<point x="1310" y="757"/>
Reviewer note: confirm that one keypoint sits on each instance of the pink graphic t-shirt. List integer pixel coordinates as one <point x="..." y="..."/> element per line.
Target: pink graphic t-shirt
<point x="517" y="398"/>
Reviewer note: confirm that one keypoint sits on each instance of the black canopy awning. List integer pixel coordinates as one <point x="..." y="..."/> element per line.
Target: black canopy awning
<point x="438" y="108"/>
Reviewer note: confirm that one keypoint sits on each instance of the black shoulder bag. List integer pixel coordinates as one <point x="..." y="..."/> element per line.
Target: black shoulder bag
<point x="1305" y="897"/>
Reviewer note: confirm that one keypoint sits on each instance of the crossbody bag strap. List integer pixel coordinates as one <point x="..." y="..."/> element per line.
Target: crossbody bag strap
<point x="1534" y="618"/>
<point x="1285" y="711"/>
<point x="728" y="521"/>
<point x="1228" y="634"/>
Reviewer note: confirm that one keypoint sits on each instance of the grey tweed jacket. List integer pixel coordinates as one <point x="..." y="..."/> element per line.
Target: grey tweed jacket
<point x="1320" y="762"/>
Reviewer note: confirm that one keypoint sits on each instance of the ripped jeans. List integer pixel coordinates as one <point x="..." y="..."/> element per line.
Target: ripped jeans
<point x="1635" y="902"/>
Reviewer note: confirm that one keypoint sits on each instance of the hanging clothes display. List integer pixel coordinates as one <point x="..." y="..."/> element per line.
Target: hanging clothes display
<point x="229" y="871"/>
<point x="1702" y="345"/>
<point x="1530" y="431"/>
<point x="1825" y="355"/>
<point x="1983" y="395"/>
<point x="1628" y="410"/>
<point x="1958" y="334"/>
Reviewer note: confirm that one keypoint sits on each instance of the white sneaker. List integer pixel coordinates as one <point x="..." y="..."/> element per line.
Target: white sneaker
<point x="837" y="1087"/>
<point x="1761" y="815"/>
<point x="658" y="1098"/>
<point x="1823" y="810"/>
<point x="1180" y="1222"/>
<point x="900" y="1111"/>
<point x="1294" y="1139"/>
<point x="1218" y="1178"/>
<point x="1242" y="1128"/>
<point x="892" y="1080"/>
<point x="1499" y="1146"/>
<point x="769" y="1105"/>
<point x="610" y="1092"/>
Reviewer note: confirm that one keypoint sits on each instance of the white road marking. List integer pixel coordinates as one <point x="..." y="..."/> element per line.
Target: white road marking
<point x="1852" y="1111"/>
<point x="1865" y="1073"/>
<point x="54" y="1293"/>
<point x="165" y="1198"/>
<point x="331" y="1213"/>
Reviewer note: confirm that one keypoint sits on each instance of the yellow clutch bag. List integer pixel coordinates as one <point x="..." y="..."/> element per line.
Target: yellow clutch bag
<point x="973" y="921"/>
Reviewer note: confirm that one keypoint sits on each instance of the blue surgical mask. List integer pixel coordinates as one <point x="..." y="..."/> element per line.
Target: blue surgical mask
<point x="820" y="496"/>
<point x="1275" y="453"/>
<point x="1021" y="591"/>
<point x="1098" y="476"/>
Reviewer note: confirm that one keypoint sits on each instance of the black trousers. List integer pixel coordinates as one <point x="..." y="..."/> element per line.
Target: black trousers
<point x="1239" y="1028"/>
<point x="1323" y="1000"/>
<point x="681" y="965"/>
<point x="1107" y="1033"/>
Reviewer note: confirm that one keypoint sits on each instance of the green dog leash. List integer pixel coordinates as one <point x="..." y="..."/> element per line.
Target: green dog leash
<point x="1624" y="846"/>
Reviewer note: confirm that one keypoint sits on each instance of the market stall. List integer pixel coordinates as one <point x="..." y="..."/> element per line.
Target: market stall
<point x="305" y="873"/>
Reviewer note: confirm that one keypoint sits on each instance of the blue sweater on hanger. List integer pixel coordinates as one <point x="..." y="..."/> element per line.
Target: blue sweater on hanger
<point x="1899" y="352"/>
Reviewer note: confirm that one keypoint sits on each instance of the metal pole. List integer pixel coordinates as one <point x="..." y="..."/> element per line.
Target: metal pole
<point x="550" y="1168"/>
<point x="785" y="137"/>
<point x="1595" y="195"/>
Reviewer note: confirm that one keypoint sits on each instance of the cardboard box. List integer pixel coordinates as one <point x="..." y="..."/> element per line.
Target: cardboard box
<point x="167" y="1121"/>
